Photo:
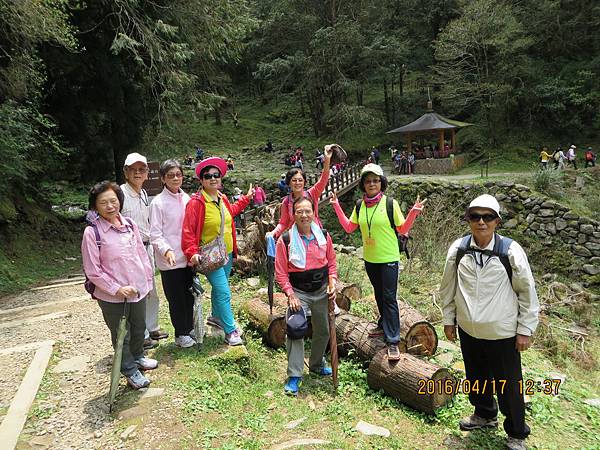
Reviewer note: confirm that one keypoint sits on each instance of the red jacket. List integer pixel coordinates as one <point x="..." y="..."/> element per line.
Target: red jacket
<point x="193" y="222"/>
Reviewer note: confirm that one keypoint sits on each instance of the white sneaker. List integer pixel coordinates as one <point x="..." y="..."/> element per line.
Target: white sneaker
<point x="146" y="363"/>
<point x="234" y="338"/>
<point x="184" y="341"/>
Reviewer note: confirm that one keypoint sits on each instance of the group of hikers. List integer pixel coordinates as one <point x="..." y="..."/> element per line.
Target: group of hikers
<point x="560" y="159"/>
<point x="127" y="235"/>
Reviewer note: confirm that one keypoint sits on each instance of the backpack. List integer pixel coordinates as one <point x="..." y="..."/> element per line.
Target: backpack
<point x="501" y="245"/>
<point x="556" y="156"/>
<point x="389" y="207"/>
<point x="87" y="284"/>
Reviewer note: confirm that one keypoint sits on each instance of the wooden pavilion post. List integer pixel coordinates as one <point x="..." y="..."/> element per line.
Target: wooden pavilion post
<point x="409" y="142"/>
<point x="453" y="145"/>
<point x="441" y="141"/>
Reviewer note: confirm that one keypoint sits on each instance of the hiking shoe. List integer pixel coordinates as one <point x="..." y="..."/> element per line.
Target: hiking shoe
<point x="474" y="422"/>
<point x="214" y="322"/>
<point x="150" y="343"/>
<point x="376" y="332"/>
<point x="184" y="341"/>
<point x="393" y="352"/>
<point x="137" y="380"/>
<point x="159" y="334"/>
<point x="515" y="444"/>
<point x="292" y="385"/>
<point x="146" y="363"/>
<point x="234" y="338"/>
<point x="323" y="371"/>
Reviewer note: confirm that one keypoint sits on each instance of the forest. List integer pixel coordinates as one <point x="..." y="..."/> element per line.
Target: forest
<point x="83" y="83"/>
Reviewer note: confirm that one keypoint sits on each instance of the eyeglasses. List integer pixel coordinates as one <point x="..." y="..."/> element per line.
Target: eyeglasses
<point x="210" y="176"/>
<point x="372" y="180"/>
<point x="303" y="212"/>
<point x="170" y="176"/>
<point x="474" y="217"/>
<point x="105" y="203"/>
<point x="134" y="170"/>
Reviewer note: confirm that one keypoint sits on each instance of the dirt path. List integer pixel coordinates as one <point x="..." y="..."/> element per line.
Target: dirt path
<point x="70" y="409"/>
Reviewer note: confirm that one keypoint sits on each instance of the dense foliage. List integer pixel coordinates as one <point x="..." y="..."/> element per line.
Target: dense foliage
<point x="96" y="76"/>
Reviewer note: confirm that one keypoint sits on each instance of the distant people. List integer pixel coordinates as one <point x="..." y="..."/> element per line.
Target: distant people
<point x="544" y="158"/>
<point x="375" y="155"/>
<point x="237" y="193"/>
<point x="590" y="158"/>
<point x="269" y="146"/>
<point x="396" y="162"/>
<point x="411" y="163"/>
<point x="260" y="196"/>
<point x="199" y="153"/>
<point x="559" y="159"/>
<point x="230" y="164"/>
<point x="117" y="265"/>
<point x="296" y="180"/>
<point x="136" y="206"/>
<point x="572" y="157"/>
<point x="284" y="189"/>
<point x="299" y="164"/>
<point x="305" y="269"/>
<point x="320" y="159"/>
<point x="166" y="221"/>
<point x="403" y="164"/>
<point x="381" y="252"/>
<point x="208" y="215"/>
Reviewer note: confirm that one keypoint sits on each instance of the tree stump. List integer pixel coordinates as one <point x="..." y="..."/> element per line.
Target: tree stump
<point x="272" y="327"/>
<point x="419" y="384"/>
<point x="420" y="336"/>
<point x="346" y="294"/>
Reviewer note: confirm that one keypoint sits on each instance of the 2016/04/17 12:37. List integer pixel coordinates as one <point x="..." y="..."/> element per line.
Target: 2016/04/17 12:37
<point x="449" y="386"/>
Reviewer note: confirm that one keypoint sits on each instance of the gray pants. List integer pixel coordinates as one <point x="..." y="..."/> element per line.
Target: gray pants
<point x="316" y="303"/>
<point x="152" y="303"/>
<point x="133" y="347"/>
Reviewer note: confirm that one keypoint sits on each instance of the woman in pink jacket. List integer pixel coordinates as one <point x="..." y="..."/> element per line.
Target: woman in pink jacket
<point x="118" y="269"/>
<point x="166" y="221"/>
<point x="296" y="180"/>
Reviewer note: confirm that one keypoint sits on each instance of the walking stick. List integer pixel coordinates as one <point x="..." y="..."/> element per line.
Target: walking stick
<point x="115" y="373"/>
<point x="270" y="269"/>
<point x="333" y="339"/>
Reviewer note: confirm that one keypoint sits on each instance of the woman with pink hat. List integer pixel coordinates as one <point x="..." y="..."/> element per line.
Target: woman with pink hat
<point x="209" y="214"/>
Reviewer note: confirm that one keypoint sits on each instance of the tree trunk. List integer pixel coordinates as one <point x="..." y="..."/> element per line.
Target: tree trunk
<point x="419" y="384"/>
<point x="386" y="100"/>
<point x="420" y="336"/>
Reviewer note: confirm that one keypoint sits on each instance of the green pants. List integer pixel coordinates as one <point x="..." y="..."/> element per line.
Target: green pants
<point x="133" y="346"/>
<point x="314" y="304"/>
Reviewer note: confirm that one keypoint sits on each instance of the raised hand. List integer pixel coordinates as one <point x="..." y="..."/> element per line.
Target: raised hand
<point x="333" y="199"/>
<point x="419" y="204"/>
<point x="251" y="192"/>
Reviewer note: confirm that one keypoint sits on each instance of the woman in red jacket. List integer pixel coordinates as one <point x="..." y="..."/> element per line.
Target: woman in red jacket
<point x="202" y="224"/>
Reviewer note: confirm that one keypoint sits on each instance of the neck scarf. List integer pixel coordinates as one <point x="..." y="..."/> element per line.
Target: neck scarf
<point x="372" y="201"/>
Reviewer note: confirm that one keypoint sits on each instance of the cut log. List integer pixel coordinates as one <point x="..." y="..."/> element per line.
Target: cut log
<point x="272" y="327"/>
<point x="346" y="294"/>
<point x="420" y="336"/>
<point x="419" y="384"/>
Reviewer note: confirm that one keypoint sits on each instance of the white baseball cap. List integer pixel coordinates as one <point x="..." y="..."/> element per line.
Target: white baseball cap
<point x="486" y="201"/>
<point x="372" y="168"/>
<point x="132" y="158"/>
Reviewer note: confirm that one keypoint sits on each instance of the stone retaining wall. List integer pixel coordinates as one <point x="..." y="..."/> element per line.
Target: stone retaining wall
<point x="442" y="166"/>
<point x="535" y="214"/>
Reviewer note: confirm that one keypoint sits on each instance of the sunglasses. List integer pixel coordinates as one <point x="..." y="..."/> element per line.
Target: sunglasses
<point x="210" y="176"/>
<point x="473" y="217"/>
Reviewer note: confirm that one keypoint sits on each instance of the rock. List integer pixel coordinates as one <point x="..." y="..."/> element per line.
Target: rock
<point x="586" y="228"/>
<point x="570" y="215"/>
<point x="445" y="345"/>
<point x="592" y="246"/>
<point x="592" y="402"/>
<point x="580" y="250"/>
<point x="348" y="249"/>
<point x="294" y="423"/>
<point x="299" y="442"/>
<point x="359" y="252"/>
<point x="581" y="238"/>
<point x="445" y="359"/>
<point x="546" y="212"/>
<point x="545" y="277"/>
<point x="551" y="228"/>
<point x="591" y="270"/>
<point x="152" y="392"/>
<point x="584" y="220"/>
<point x="512" y="223"/>
<point x="311" y="405"/>
<point x="531" y="217"/>
<point x="97" y="434"/>
<point x="548" y="204"/>
<point x="577" y="287"/>
<point x="371" y="430"/>
<point x="262" y="292"/>
<point x="535" y="226"/>
<point x="75" y="364"/>
<point x="133" y="413"/>
<point x="560" y="224"/>
<point x="129" y="432"/>
<point x="253" y="282"/>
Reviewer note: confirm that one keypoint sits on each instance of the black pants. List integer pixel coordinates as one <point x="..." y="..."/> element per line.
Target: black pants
<point x="176" y="284"/>
<point x="133" y="345"/>
<point x="384" y="278"/>
<point x="590" y="162"/>
<point x="498" y="360"/>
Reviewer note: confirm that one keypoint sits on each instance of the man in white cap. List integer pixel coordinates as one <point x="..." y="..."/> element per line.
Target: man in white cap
<point x="136" y="206"/>
<point x="571" y="157"/>
<point x="488" y="291"/>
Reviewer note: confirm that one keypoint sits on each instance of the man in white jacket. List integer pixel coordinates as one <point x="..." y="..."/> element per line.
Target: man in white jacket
<point x="488" y="291"/>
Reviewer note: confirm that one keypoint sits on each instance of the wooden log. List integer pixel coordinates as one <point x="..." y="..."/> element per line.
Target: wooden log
<point x="420" y="336"/>
<point x="272" y="327"/>
<point x="346" y="294"/>
<point x="418" y="383"/>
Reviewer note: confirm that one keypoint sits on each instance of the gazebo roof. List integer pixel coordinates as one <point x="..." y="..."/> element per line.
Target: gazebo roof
<point x="430" y="121"/>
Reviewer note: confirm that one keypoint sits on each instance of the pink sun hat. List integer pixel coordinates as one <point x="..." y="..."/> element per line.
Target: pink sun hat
<point x="213" y="161"/>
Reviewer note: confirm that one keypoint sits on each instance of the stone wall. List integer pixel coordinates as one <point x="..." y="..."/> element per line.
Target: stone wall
<point x="534" y="214"/>
<point x="431" y="166"/>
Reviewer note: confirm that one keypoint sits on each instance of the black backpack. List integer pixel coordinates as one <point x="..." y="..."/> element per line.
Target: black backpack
<point x="389" y="208"/>
<point x="501" y="245"/>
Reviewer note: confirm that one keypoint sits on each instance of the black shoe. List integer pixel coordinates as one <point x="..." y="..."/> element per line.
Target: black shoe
<point x="159" y="334"/>
<point x="393" y="352"/>
<point x="150" y="343"/>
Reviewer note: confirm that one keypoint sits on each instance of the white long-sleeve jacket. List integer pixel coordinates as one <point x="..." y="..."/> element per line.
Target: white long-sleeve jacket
<point x="481" y="299"/>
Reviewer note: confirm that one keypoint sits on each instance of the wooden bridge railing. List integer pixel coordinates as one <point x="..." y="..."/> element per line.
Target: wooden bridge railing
<point x="340" y="183"/>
